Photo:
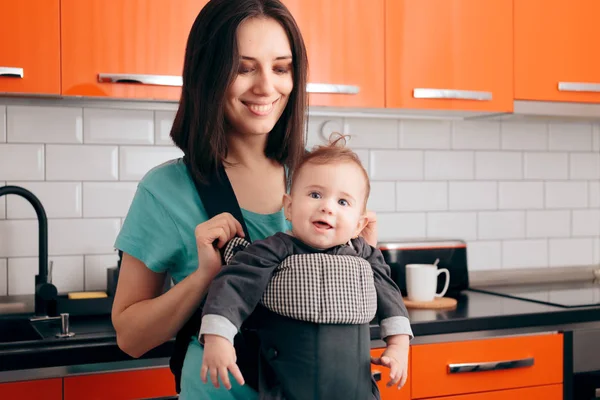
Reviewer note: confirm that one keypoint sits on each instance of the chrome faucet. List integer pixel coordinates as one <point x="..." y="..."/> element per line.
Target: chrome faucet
<point x="45" y="292"/>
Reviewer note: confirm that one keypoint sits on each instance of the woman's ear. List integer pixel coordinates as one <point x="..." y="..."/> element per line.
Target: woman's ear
<point x="287" y="206"/>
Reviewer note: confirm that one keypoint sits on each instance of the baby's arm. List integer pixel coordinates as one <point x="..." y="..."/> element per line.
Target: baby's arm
<point x="219" y="359"/>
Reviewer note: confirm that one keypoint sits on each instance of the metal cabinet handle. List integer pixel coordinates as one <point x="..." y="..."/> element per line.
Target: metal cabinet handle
<point x="376" y="375"/>
<point x="11" y="72"/>
<point x="142" y="79"/>
<point x="490" y="366"/>
<point x="578" y="87"/>
<point x="331" y="88"/>
<point x="425" y="93"/>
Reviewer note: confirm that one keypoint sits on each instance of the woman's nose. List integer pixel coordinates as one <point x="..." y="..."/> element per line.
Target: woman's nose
<point x="263" y="84"/>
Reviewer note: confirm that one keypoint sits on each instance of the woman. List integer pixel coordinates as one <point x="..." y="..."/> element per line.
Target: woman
<point x="243" y="105"/>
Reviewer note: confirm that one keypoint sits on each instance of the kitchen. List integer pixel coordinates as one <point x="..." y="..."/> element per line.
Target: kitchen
<point x="481" y="126"/>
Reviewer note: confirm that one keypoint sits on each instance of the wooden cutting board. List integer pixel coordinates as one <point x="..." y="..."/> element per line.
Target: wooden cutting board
<point x="439" y="303"/>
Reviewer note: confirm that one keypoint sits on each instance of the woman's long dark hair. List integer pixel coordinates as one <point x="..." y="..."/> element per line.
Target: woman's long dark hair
<point x="210" y="66"/>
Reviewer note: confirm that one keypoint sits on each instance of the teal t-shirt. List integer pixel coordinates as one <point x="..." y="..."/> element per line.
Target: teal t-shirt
<point x="159" y="231"/>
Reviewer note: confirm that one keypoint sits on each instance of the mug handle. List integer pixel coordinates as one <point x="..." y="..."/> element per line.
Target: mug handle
<point x="445" y="271"/>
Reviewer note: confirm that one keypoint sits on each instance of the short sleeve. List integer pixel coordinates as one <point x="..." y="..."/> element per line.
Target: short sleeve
<point x="149" y="233"/>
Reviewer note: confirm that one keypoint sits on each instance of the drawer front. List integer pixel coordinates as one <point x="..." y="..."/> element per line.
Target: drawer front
<point x="485" y="365"/>
<point x="548" y="392"/>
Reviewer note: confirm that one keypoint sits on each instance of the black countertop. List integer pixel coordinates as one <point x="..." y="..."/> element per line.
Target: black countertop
<point x="95" y="341"/>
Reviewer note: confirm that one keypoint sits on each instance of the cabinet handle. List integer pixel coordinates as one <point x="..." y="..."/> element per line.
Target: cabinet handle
<point x="490" y="366"/>
<point x="331" y="88"/>
<point x="160" y="80"/>
<point x="376" y="375"/>
<point x="11" y="72"/>
<point x="578" y="87"/>
<point x="423" y="93"/>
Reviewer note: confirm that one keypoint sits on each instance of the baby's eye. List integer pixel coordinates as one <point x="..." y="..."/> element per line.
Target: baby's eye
<point x="343" y="202"/>
<point x="315" y="195"/>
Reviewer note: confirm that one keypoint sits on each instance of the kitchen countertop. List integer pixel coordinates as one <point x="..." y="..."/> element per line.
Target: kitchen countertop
<point x="94" y="348"/>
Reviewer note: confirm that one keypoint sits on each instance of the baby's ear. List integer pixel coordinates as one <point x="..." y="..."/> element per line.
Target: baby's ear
<point x="287" y="206"/>
<point x="362" y="222"/>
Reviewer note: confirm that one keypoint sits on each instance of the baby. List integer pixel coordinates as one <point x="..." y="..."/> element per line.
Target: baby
<point x="315" y="288"/>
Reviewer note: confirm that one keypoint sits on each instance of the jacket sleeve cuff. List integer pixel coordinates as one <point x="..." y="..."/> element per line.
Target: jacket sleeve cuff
<point x="395" y="326"/>
<point x="213" y="324"/>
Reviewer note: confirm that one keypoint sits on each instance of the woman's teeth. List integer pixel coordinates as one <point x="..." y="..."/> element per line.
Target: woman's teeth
<point x="260" y="109"/>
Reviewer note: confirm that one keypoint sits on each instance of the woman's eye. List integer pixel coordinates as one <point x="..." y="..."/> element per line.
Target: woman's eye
<point x="282" y="70"/>
<point x="343" y="202"/>
<point x="315" y="195"/>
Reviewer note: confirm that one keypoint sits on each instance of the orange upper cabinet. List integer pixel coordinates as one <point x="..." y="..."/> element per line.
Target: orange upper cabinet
<point x="140" y="41"/>
<point x="30" y="47"/>
<point x="557" y="50"/>
<point x="449" y="54"/>
<point x="345" y="44"/>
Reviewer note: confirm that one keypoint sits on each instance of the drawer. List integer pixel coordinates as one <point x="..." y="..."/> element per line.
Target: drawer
<point x="486" y="365"/>
<point x="548" y="392"/>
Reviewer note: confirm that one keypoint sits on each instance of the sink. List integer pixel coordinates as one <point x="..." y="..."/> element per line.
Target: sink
<point x="17" y="330"/>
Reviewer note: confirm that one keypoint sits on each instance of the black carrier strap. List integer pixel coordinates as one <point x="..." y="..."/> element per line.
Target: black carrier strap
<point x="217" y="196"/>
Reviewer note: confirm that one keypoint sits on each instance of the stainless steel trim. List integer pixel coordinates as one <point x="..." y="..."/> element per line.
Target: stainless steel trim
<point x="331" y="88"/>
<point x="579" y="87"/>
<point x="11" y="72"/>
<point x="490" y="366"/>
<point x="421" y="245"/>
<point x="159" y="80"/>
<point x="426" y="93"/>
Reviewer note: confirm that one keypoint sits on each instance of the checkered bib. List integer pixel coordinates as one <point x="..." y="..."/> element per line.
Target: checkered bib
<point x="319" y="288"/>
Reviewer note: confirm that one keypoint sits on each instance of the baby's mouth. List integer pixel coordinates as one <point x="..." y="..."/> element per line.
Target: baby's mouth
<point x="322" y="225"/>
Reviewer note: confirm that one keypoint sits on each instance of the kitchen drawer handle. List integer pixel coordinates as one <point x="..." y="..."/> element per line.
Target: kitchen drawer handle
<point x="423" y="93"/>
<point x="331" y="88"/>
<point x="490" y="366"/>
<point x="578" y="87"/>
<point x="11" y="72"/>
<point x="376" y="375"/>
<point x="160" y="80"/>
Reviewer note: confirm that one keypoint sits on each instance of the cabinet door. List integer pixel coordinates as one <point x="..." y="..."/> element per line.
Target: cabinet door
<point x="128" y="41"/>
<point x="389" y="393"/>
<point x="345" y="45"/>
<point x="30" y="47"/>
<point x="550" y="392"/>
<point x="43" y="389"/>
<point x="557" y="50"/>
<point x="449" y="54"/>
<point x="140" y="384"/>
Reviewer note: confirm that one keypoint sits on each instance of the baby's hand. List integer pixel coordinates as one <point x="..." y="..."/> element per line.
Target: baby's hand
<point x="395" y="357"/>
<point x="219" y="359"/>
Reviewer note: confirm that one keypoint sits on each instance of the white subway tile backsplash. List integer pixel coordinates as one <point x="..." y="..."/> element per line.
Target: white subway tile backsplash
<point x="81" y="163"/>
<point x="364" y="157"/>
<point x="596" y="137"/>
<point x="546" y="166"/>
<point x="543" y="224"/>
<point x="382" y="197"/>
<point x="107" y="199"/>
<point x="454" y="225"/>
<point x="21" y="276"/>
<point x="2" y="124"/>
<point x="570" y="136"/>
<point x="110" y="126"/>
<point x="135" y="162"/>
<point x="566" y="194"/>
<point x="586" y="223"/>
<point x="18" y="238"/>
<point x="3" y="203"/>
<point x="67" y="274"/>
<point x="372" y="134"/>
<point x="520" y="195"/>
<point x="571" y="252"/>
<point x="594" y="188"/>
<point x="320" y="128"/>
<point x="21" y="162"/>
<point x="425" y="134"/>
<point x="35" y="124"/>
<point x="596" y="259"/>
<point x="585" y="166"/>
<point x="449" y="165"/>
<point x="498" y="165"/>
<point x="501" y="225"/>
<point x="524" y="253"/>
<point x="524" y="136"/>
<point x="82" y="236"/>
<point x="60" y="200"/>
<point x="396" y="165"/>
<point x="95" y="270"/>
<point x="421" y="196"/>
<point x="3" y="276"/>
<point x="400" y="226"/>
<point x="485" y="255"/>
<point x="163" y="121"/>
<point x="473" y="195"/>
<point x="474" y="135"/>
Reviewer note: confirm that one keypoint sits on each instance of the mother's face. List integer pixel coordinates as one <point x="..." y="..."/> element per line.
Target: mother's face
<point x="259" y="93"/>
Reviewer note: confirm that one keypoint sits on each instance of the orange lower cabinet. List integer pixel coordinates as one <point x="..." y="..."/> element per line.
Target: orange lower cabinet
<point x="550" y="392"/>
<point x="389" y="393"/>
<point x="43" y="389"/>
<point x="140" y="384"/>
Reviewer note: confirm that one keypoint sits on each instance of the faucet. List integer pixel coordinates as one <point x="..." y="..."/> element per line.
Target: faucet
<point x="45" y="292"/>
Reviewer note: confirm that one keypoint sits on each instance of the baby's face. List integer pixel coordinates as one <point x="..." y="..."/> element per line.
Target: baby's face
<point x="327" y="204"/>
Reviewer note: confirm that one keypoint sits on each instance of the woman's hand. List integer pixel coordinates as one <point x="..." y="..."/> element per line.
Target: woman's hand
<point x="369" y="232"/>
<point x="213" y="235"/>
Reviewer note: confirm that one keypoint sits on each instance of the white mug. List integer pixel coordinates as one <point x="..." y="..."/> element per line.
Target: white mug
<point x="421" y="281"/>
